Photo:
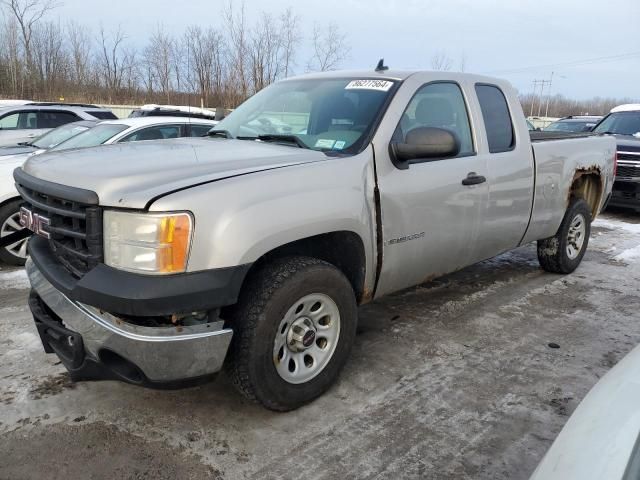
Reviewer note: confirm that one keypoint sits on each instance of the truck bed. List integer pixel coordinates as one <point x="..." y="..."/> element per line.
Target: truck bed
<point x="542" y="136"/>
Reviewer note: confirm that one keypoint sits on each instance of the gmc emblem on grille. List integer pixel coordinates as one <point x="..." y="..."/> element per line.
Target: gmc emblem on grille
<point x="34" y="222"/>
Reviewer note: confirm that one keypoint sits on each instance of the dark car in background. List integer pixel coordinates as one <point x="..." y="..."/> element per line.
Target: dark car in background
<point x="624" y="123"/>
<point x="574" y="123"/>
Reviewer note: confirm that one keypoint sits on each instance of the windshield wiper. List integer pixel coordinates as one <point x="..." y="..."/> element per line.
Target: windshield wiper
<point x="26" y="144"/>
<point x="271" y="137"/>
<point x="217" y="133"/>
<point x="614" y="133"/>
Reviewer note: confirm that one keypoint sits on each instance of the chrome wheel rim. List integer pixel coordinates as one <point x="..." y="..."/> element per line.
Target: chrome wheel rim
<point x="306" y="339"/>
<point x="576" y="236"/>
<point x="9" y="226"/>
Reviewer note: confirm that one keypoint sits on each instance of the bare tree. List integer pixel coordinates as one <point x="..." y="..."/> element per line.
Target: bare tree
<point x="329" y="47"/>
<point x="463" y="62"/>
<point x="27" y="14"/>
<point x="10" y="56"/>
<point x="290" y="38"/>
<point x="160" y="56"/>
<point x="80" y="48"/>
<point x="110" y="59"/>
<point x="205" y="54"/>
<point x="49" y="58"/>
<point x="265" y="53"/>
<point x="441" y="61"/>
<point x="238" y="51"/>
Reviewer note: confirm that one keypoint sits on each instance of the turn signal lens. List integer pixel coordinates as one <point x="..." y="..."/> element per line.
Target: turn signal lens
<point x="147" y="242"/>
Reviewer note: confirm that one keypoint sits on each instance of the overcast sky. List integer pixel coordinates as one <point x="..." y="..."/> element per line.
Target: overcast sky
<point x="500" y="37"/>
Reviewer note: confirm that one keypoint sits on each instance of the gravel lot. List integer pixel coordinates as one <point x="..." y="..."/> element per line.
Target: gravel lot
<point x="454" y="379"/>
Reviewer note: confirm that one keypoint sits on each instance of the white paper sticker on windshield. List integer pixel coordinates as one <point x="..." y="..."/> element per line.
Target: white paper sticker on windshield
<point x="339" y="145"/>
<point x="324" y="143"/>
<point x="381" y="85"/>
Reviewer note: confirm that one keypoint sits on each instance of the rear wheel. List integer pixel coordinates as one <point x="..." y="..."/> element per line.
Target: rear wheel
<point x="563" y="252"/>
<point x="16" y="253"/>
<point x="294" y="325"/>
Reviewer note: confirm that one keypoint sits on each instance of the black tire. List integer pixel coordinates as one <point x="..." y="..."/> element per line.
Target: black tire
<point x="269" y="294"/>
<point x="6" y="211"/>
<point x="552" y="251"/>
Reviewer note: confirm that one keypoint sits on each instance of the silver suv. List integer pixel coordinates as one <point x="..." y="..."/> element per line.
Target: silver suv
<point x="26" y="122"/>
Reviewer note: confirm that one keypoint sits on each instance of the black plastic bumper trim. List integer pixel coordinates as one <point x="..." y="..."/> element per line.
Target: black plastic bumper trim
<point x="127" y="293"/>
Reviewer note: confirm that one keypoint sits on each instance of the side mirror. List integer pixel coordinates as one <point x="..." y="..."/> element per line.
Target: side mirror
<point x="427" y="143"/>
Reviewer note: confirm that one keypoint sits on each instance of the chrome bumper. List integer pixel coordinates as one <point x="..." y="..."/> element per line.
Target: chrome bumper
<point x="162" y="354"/>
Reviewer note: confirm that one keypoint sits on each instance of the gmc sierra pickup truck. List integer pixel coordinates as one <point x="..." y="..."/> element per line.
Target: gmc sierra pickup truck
<point x="161" y="262"/>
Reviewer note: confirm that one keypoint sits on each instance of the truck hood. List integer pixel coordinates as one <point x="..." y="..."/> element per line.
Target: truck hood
<point x="132" y="174"/>
<point x="628" y="143"/>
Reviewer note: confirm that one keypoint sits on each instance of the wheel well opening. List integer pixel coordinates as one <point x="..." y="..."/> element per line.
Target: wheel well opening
<point x="342" y="249"/>
<point x="587" y="184"/>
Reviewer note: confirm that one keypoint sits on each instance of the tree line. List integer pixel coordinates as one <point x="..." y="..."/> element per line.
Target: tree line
<point x="561" y="106"/>
<point x="46" y="59"/>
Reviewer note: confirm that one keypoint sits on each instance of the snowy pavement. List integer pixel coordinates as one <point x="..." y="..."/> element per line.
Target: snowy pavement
<point x="453" y="379"/>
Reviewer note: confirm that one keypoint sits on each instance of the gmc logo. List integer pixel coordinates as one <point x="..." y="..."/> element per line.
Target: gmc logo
<point x="34" y="222"/>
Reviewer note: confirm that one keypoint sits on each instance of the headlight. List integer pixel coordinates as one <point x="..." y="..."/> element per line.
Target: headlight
<point x="153" y="243"/>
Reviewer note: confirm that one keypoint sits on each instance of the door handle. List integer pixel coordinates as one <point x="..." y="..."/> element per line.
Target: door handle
<point x="473" y="179"/>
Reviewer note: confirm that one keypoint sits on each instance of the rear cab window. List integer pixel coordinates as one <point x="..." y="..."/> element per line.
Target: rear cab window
<point x="497" y="119"/>
<point x="54" y="119"/>
<point x="156" y="132"/>
<point x="199" y="130"/>
<point x="102" y="114"/>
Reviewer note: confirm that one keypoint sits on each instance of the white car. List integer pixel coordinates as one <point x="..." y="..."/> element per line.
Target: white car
<point x="601" y="440"/>
<point x="24" y="123"/>
<point x="104" y="133"/>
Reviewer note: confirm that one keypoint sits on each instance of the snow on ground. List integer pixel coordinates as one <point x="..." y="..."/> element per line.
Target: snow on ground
<point x="13" y="279"/>
<point x="615" y="224"/>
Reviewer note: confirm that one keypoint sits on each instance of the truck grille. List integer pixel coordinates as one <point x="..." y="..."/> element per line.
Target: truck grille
<point x="628" y="171"/>
<point x="629" y="156"/>
<point x="75" y="229"/>
<point x="628" y="165"/>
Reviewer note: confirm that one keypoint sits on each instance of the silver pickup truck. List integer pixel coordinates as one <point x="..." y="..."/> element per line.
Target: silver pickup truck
<point x="161" y="262"/>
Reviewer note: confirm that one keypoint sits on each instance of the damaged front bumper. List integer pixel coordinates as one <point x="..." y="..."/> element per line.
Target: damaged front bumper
<point x="94" y="344"/>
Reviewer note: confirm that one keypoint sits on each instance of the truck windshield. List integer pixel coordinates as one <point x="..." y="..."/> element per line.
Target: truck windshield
<point x="620" y="123"/>
<point x="93" y="137"/>
<point x="328" y="115"/>
<point x="59" y="135"/>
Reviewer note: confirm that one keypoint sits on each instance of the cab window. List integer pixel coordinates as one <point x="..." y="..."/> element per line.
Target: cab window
<point x="439" y="105"/>
<point x="158" y="132"/>
<point x="497" y="120"/>
<point x="200" y="130"/>
<point x="19" y="121"/>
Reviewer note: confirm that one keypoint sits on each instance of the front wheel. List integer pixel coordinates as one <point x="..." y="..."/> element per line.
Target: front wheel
<point x="294" y="326"/>
<point x="16" y="253"/>
<point x="563" y="252"/>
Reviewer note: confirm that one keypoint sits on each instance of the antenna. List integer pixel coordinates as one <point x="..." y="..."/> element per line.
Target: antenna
<point x="381" y="67"/>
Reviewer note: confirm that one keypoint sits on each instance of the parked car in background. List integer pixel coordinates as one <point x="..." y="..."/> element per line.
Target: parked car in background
<point x="574" y="123"/>
<point x="103" y="133"/>
<point x="531" y="127"/>
<point x="253" y="248"/>
<point x="601" y="440"/>
<point x="49" y="139"/>
<point x="26" y="122"/>
<point x="153" y="110"/>
<point x="624" y="123"/>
